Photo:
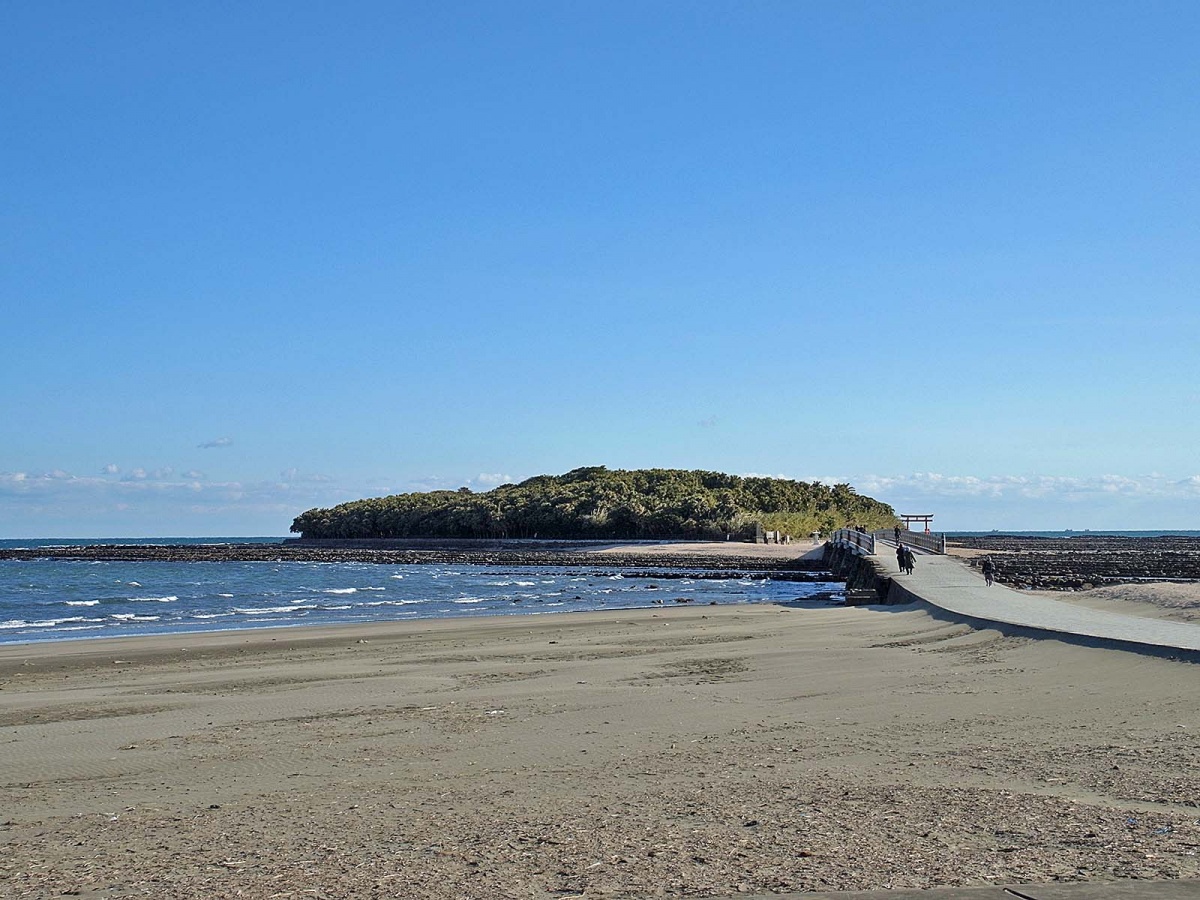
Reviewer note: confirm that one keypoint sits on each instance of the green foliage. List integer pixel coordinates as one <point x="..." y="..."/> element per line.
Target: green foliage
<point x="594" y="502"/>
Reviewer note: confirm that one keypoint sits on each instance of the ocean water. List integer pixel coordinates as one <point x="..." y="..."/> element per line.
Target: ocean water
<point x="50" y="600"/>
<point x="21" y="543"/>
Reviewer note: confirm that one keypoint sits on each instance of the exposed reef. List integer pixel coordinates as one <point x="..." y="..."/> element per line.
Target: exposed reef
<point x="1084" y="561"/>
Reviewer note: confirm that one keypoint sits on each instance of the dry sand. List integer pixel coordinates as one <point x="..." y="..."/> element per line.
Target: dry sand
<point x="797" y="549"/>
<point x="666" y="752"/>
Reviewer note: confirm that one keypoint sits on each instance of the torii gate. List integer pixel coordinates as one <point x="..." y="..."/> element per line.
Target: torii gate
<point x="909" y="520"/>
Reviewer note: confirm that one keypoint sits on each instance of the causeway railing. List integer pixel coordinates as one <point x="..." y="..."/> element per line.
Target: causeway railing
<point x="860" y="542"/>
<point x="930" y="543"/>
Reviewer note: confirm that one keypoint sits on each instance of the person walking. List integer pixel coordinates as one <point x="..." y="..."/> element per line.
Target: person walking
<point x="896" y="532"/>
<point x="910" y="560"/>
<point x="989" y="571"/>
<point x="900" y="550"/>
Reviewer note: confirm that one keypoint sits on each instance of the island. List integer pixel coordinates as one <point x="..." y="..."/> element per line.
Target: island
<point x="597" y="503"/>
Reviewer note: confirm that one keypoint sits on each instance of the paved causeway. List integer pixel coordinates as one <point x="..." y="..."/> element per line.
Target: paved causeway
<point x="951" y="588"/>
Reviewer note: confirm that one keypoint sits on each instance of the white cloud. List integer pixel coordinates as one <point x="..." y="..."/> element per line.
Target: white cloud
<point x="218" y="442"/>
<point x="488" y="479"/>
<point x="1028" y="486"/>
<point x="294" y="475"/>
<point x="1111" y="501"/>
<point x="112" y="469"/>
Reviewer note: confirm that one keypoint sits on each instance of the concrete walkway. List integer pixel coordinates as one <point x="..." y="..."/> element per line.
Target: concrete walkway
<point x="951" y="589"/>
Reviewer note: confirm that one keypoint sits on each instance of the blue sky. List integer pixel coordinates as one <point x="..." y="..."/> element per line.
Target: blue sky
<point x="260" y="257"/>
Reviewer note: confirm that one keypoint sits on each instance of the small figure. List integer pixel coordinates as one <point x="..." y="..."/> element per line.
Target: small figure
<point x="910" y="560"/>
<point x="989" y="571"/>
<point x="896" y="531"/>
<point x="900" y="556"/>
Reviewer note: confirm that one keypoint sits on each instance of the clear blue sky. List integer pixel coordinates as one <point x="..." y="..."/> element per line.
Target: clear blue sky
<point x="259" y="257"/>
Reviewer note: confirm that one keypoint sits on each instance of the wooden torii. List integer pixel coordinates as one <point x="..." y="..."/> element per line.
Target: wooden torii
<point x="909" y="520"/>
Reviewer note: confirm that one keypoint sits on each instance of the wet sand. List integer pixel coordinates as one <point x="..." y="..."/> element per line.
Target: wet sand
<point x="680" y="752"/>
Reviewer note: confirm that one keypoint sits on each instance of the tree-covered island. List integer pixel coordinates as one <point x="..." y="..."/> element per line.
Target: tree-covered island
<point x="601" y="504"/>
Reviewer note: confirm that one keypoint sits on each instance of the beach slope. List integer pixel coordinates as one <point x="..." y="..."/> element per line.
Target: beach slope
<point x="667" y="752"/>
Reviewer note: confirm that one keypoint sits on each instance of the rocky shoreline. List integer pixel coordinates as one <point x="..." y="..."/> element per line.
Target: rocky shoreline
<point x="697" y="564"/>
<point x="1085" y="561"/>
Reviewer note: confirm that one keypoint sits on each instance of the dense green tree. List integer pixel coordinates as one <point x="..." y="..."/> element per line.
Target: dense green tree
<point x="594" y="502"/>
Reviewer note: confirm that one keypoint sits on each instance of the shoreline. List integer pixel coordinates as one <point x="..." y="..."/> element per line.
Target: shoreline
<point x="673" y="554"/>
<point x="708" y="574"/>
<point x="170" y="645"/>
<point x="264" y="635"/>
<point x="680" y="751"/>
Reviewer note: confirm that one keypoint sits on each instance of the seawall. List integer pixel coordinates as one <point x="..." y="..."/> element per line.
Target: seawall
<point x="866" y="582"/>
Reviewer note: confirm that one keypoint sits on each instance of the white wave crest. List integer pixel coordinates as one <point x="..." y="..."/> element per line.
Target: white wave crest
<point x="266" y="610"/>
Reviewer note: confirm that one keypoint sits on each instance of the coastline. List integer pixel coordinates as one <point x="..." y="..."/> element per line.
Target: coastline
<point x="669" y="750"/>
<point x="784" y="560"/>
<point x="679" y="751"/>
<point x="72" y="596"/>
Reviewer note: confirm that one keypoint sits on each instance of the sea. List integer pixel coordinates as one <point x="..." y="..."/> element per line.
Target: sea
<point x="58" y="599"/>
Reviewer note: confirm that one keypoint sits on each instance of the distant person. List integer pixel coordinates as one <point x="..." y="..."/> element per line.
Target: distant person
<point x="896" y="531"/>
<point x="910" y="560"/>
<point x="900" y="555"/>
<point x="989" y="571"/>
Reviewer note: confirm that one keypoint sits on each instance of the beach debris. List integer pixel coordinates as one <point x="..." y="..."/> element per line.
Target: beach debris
<point x="495" y="712"/>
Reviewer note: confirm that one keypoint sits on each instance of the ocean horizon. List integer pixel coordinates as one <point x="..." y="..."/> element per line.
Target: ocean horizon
<point x="220" y="540"/>
<point x="74" y="599"/>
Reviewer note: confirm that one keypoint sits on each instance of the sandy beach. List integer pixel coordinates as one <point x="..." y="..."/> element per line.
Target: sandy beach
<point x="689" y="751"/>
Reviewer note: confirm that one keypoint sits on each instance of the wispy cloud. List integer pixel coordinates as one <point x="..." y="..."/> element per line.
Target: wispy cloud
<point x="1029" y="486"/>
<point x="218" y="442"/>
<point x="295" y="476"/>
<point x="489" y="479"/>
<point x="162" y="497"/>
<point x="965" y="502"/>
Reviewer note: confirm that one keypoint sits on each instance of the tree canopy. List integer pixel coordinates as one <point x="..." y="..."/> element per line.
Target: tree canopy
<point x="598" y="503"/>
